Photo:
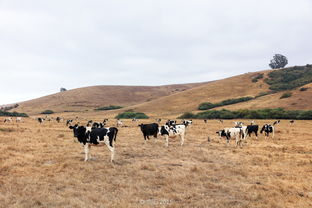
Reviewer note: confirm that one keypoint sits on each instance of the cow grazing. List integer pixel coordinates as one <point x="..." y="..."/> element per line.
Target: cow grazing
<point x="149" y="130"/>
<point x="93" y="136"/>
<point x="18" y="119"/>
<point x="40" y="120"/>
<point x="69" y="121"/>
<point x="173" y="131"/>
<point x="58" y="119"/>
<point x="231" y="133"/>
<point x="291" y="122"/>
<point x="205" y="120"/>
<point x="267" y="129"/>
<point x="276" y="122"/>
<point x="252" y="129"/>
<point x="8" y="120"/>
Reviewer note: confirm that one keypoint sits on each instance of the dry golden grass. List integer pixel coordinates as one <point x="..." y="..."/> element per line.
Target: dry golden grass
<point x="42" y="166"/>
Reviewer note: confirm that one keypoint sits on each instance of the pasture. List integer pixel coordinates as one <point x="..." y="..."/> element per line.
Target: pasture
<point x="42" y="166"/>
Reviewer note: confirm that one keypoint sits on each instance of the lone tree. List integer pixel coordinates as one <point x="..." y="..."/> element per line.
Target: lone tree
<point x="278" y="61"/>
<point x="62" y="89"/>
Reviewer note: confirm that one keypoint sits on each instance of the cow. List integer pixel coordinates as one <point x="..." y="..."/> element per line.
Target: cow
<point x="267" y="129"/>
<point x="97" y="125"/>
<point x="205" y="120"/>
<point x="158" y="120"/>
<point x="231" y="133"/>
<point x="93" y="136"/>
<point x="220" y="121"/>
<point x="58" y="119"/>
<point x="187" y="122"/>
<point x="291" y="122"/>
<point x="119" y="123"/>
<point x="69" y="121"/>
<point x="134" y="119"/>
<point x="171" y="122"/>
<point x="40" y="120"/>
<point x="18" y="119"/>
<point x="173" y="131"/>
<point x="252" y="129"/>
<point x="276" y="122"/>
<point x="149" y="130"/>
<point x="8" y="120"/>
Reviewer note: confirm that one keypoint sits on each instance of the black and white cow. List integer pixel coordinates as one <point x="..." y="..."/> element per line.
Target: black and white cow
<point x="40" y="120"/>
<point x="149" y="130"/>
<point x="291" y="122"/>
<point x="267" y="129"/>
<point x="8" y="120"/>
<point x="93" y="136"/>
<point x="231" y="133"/>
<point x="171" y="122"/>
<point x="69" y="121"/>
<point x="252" y="129"/>
<point x="173" y="131"/>
<point x="187" y="122"/>
<point x="276" y="122"/>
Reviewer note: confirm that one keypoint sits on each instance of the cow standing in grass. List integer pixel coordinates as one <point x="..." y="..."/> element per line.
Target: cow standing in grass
<point x="149" y="130"/>
<point x="173" y="131"/>
<point x="267" y="129"/>
<point x="232" y="133"/>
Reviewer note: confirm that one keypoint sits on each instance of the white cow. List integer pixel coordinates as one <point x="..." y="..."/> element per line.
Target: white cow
<point x="231" y="133"/>
<point x="173" y="131"/>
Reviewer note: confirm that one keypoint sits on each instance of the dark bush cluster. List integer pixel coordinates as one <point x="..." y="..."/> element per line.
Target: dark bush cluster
<point x="304" y="89"/>
<point x="290" y="78"/>
<point x="111" y="107"/>
<point x="131" y="114"/>
<point x="275" y="113"/>
<point x="47" y="112"/>
<point x="207" y="105"/>
<point x="286" y="95"/>
<point x="256" y="78"/>
<point x="12" y="114"/>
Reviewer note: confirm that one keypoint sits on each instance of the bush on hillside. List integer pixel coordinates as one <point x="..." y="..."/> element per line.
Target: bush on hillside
<point x="111" y="107"/>
<point x="12" y="114"/>
<point x="131" y="114"/>
<point x="286" y="95"/>
<point x="256" y="78"/>
<point x="207" y="105"/>
<point x="304" y="89"/>
<point x="47" y="112"/>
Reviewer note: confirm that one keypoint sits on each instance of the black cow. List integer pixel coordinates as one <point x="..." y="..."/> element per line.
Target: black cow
<point x="252" y="129"/>
<point x="93" y="136"/>
<point x="149" y="130"/>
<point x="267" y="129"/>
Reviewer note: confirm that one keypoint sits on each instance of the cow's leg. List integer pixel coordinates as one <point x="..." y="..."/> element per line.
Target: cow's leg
<point x="256" y="133"/>
<point x="110" y="147"/>
<point x="86" y="150"/>
<point x="167" y="140"/>
<point x="273" y="135"/>
<point x="144" y="139"/>
<point x="227" y="141"/>
<point x="182" y="139"/>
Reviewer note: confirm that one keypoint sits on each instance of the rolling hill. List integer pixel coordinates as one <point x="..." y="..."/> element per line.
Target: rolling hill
<point x="173" y="100"/>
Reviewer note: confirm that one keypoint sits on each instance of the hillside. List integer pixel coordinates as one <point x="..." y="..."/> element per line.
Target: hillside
<point x="173" y="100"/>
<point x="88" y="98"/>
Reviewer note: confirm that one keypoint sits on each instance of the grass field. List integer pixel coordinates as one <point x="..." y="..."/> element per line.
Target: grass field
<point x="42" y="166"/>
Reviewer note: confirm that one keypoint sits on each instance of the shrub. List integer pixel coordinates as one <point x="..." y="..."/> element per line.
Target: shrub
<point x="304" y="89"/>
<point x="286" y="95"/>
<point x="13" y="114"/>
<point x="111" y="107"/>
<point x="207" y="105"/>
<point x="290" y="78"/>
<point x="47" y="112"/>
<point x="275" y="113"/>
<point x="264" y="94"/>
<point x="256" y="78"/>
<point x="130" y="115"/>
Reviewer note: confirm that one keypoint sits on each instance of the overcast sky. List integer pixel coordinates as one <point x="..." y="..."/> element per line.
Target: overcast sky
<point x="45" y="45"/>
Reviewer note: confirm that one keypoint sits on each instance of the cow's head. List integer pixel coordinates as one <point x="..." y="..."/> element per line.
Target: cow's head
<point x="74" y="128"/>
<point x="221" y="133"/>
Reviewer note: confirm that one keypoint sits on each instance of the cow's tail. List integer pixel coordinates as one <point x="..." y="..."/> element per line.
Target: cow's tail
<point x="115" y="135"/>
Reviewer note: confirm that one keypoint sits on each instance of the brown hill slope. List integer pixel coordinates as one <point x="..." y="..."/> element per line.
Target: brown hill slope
<point x="87" y="98"/>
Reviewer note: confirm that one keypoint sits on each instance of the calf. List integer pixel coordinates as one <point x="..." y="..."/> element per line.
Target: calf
<point x="231" y="133"/>
<point x="93" y="136"/>
<point x="173" y="131"/>
<point x="149" y="130"/>
<point x="267" y="129"/>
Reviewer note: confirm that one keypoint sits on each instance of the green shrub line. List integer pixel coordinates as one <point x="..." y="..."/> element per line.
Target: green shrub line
<point x="12" y="114"/>
<point x="208" y="105"/>
<point x="111" y="107"/>
<point x="286" y="95"/>
<point x="47" y="112"/>
<point x="268" y="113"/>
<point x="131" y="114"/>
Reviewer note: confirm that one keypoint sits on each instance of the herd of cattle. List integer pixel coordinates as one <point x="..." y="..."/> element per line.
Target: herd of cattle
<point x="95" y="133"/>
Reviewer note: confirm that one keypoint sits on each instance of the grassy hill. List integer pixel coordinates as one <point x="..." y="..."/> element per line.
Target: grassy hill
<point x="265" y="87"/>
